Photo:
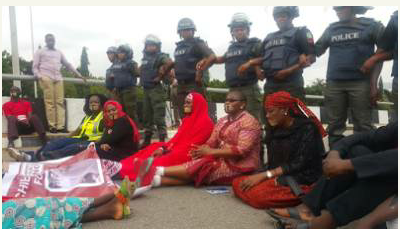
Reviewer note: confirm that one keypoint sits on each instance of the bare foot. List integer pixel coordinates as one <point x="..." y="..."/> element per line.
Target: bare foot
<point x="304" y="212"/>
<point x="116" y="208"/>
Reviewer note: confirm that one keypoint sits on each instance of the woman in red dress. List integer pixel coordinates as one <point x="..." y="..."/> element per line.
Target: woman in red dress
<point x="195" y="129"/>
<point x="232" y="150"/>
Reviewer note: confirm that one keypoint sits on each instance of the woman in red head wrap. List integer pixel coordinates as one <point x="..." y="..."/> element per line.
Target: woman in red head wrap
<point x="295" y="151"/>
<point x="121" y="137"/>
<point x="196" y="128"/>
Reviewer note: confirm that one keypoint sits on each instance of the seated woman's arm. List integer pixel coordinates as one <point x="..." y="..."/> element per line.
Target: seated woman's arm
<point x="377" y="140"/>
<point x="248" y="137"/>
<point x="78" y="130"/>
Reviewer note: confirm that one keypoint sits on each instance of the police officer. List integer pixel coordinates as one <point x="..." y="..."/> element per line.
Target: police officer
<point x="242" y="49"/>
<point x="387" y="50"/>
<point x="155" y="65"/>
<point x="126" y="71"/>
<point x="284" y="54"/>
<point x="351" y="41"/>
<point x="192" y="58"/>
<point x="111" y="54"/>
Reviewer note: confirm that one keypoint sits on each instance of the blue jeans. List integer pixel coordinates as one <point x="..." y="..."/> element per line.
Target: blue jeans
<point x="60" y="148"/>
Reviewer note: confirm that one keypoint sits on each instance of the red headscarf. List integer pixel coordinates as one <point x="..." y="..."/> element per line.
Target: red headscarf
<point x="197" y="121"/>
<point x="282" y="99"/>
<point x="110" y="123"/>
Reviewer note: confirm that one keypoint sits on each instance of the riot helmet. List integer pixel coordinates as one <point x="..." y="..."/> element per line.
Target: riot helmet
<point x="292" y="11"/>
<point x="125" y="48"/>
<point x="112" y="49"/>
<point x="356" y="9"/>
<point x="152" y="39"/>
<point x="239" y="20"/>
<point x="186" y="23"/>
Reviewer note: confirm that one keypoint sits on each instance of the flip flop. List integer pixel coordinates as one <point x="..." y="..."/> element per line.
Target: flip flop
<point x="293" y="213"/>
<point x="282" y="221"/>
<point x="296" y="224"/>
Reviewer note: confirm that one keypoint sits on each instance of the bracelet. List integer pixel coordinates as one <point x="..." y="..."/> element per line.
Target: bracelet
<point x="269" y="174"/>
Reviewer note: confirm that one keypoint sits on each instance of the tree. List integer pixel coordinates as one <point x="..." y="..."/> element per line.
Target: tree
<point x="316" y="88"/>
<point x="84" y="68"/>
<point x="217" y="97"/>
<point x="25" y="68"/>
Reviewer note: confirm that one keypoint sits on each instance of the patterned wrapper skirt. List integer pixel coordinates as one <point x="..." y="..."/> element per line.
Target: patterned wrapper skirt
<point x="211" y="171"/>
<point x="46" y="213"/>
<point x="268" y="194"/>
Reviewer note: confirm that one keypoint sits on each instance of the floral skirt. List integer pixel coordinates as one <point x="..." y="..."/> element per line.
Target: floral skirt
<point x="268" y="194"/>
<point x="211" y="171"/>
<point x="46" y="213"/>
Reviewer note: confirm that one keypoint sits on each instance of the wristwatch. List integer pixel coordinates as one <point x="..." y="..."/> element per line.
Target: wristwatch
<point x="269" y="174"/>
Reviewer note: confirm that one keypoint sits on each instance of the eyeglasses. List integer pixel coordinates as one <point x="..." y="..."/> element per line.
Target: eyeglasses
<point x="232" y="100"/>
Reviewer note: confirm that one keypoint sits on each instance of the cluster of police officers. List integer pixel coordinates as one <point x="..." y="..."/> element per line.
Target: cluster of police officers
<point x="279" y="59"/>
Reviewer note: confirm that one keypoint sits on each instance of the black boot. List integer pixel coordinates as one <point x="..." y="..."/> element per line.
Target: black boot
<point x="147" y="140"/>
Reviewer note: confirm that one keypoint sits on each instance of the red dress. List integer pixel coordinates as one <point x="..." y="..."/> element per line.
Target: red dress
<point x="196" y="128"/>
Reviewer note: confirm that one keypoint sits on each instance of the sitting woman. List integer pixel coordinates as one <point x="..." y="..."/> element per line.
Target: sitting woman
<point x="68" y="212"/>
<point x="196" y="128"/>
<point x="121" y="136"/>
<point x="295" y="151"/>
<point x="232" y="149"/>
<point x="90" y="130"/>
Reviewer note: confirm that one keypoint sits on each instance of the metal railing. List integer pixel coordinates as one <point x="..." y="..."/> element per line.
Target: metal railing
<point x="102" y="83"/>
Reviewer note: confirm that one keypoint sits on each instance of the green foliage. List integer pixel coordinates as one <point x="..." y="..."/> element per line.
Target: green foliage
<point x="84" y="68"/>
<point x="316" y="88"/>
<point x="25" y="68"/>
<point x="217" y="97"/>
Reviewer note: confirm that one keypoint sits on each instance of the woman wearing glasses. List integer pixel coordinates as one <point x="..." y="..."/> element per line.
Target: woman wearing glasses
<point x="232" y="149"/>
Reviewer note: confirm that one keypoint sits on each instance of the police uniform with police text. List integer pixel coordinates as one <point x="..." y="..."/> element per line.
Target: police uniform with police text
<point x="187" y="54"/>
<point x="281" y="50"/>
<point x="347" y="87"/>
<point x="239" y="53"/>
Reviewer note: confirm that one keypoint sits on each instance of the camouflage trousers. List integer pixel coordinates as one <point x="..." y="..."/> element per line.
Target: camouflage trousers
<point x="127" y="98"/>
<point x="154" y="105"/>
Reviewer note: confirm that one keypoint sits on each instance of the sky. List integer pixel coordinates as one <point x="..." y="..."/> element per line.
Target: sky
<point x="98" y="27"/>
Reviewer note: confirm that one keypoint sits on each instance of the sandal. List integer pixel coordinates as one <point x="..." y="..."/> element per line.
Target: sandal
<point x="124" y="195"/>
<point x="282" y="221"/>
<point x="296" y="224"/>
<point x="294" y="213"/>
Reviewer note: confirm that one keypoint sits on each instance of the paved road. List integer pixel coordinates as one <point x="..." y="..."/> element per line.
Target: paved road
<point x="187" y="207"/>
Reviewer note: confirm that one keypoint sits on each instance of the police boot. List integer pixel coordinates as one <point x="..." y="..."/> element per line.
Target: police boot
<point x="147" y="140"/>
<point x="162" y="137"/>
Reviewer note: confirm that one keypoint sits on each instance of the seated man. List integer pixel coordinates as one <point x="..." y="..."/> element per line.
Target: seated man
<point x="360" y="173"/>
<point x="90" y="130"/>
<point x="20" y="119"/>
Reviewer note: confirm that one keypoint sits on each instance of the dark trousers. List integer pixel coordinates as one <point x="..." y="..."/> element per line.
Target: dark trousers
<point x="113" y="154"/>
<point x="16" y="127"/>
<point x="62" y="147"/>
<point x="348" y="197"/>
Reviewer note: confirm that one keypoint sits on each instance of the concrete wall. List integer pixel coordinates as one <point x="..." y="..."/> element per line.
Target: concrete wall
<point x="75" y="113"/>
